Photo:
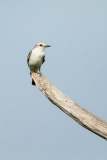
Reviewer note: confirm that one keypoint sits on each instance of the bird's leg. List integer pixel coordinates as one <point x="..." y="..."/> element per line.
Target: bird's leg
<point x="40" y="72"/>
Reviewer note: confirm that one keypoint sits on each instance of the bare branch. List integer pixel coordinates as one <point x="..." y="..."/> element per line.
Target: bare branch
<point x="80" y="115"/>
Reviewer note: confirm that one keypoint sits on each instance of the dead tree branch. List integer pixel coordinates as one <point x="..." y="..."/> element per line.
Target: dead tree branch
<point x="80" y="115"/>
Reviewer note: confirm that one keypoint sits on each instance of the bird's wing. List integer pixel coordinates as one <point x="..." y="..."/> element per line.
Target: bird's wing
<point x="28" y="57"/>
<point x="43" y="59"/>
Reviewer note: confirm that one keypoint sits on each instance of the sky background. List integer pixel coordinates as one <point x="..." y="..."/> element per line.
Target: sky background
<point x="30" y="126"/>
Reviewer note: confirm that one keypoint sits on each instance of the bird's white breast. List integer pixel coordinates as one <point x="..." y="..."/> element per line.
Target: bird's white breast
<point x="36" y="59"/>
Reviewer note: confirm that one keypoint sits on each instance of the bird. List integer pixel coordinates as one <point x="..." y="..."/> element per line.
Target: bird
<point x="36" y="58"/>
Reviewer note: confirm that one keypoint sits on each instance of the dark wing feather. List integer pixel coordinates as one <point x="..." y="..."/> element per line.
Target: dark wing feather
<point x="43" y="60"/>
<point x="28" y="57"/>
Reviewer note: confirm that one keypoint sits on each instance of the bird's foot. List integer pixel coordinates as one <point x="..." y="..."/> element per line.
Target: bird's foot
<point x="30" y="73"/>
<point x="40" y="74"/>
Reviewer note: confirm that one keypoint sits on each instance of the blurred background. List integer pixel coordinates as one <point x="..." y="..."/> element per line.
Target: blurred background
<point x="30" y="126"/>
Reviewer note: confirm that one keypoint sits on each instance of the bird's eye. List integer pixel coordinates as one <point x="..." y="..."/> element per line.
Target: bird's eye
<point x="40" y="44"/>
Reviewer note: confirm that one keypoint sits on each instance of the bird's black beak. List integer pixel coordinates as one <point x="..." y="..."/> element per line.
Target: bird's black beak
<point x="48" y="46"/>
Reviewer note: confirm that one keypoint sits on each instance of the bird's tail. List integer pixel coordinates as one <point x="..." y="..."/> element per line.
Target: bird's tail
<point x="33" y="83"/>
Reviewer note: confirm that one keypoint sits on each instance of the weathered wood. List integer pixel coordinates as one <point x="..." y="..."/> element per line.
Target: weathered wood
<point x="80" y="115"/>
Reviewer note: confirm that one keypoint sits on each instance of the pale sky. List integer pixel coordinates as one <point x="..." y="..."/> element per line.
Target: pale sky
<point x="30" y="126"/>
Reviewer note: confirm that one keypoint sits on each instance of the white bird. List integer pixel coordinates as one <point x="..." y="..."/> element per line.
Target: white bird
<point x="36" y="58"/>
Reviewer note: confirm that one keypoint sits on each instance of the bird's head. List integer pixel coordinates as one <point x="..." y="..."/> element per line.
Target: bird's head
<point x="41" y="46"/>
